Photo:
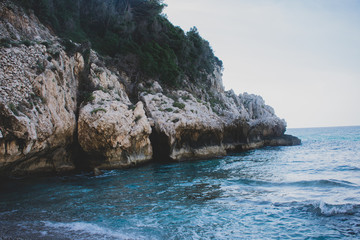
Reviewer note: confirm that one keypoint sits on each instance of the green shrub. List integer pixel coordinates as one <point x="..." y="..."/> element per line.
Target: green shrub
<point x="214" y="101"/>
<point x="26" y="42"/>
<point x="40" y="68"/>
<point x="137" y="118"/>
<point x="89" y="97"/>
<point x="97" y="110"/>
<point x="131" y="107"/>
<point x="103" y="89"/>
<point x="179" y="105"/>
<point x="5" y="42"/>
<point x="46" y="44"/>
<point x="173" y="97"/>
<point x="168" y="110"/>
<point x="109" y="43"/>
<point x="159" y="61"/>
<point x="156" y="47"/>
<point x="185" y="98"/>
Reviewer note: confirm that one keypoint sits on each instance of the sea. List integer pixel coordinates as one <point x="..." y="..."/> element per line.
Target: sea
<point x="310" y="191"/>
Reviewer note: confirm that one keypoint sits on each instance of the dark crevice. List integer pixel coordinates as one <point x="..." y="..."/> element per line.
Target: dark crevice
<point x="161" y="146"/>
<point x="197" y="139"/>
<point x="237" y="133"/>
<point x="79" y="157"/>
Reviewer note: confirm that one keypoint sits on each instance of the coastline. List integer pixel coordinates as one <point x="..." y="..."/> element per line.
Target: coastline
<point x="64" y="107"/>
<point x="242" y="193"/>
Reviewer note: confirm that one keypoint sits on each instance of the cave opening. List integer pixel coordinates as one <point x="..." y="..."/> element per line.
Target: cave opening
<point x="161" y="146"/>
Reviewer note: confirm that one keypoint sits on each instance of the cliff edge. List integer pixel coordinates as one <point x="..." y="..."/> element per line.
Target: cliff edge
<point x="63" y="107"/>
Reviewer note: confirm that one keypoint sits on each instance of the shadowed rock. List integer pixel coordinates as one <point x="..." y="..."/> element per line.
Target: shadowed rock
<point x="55" y="104"/>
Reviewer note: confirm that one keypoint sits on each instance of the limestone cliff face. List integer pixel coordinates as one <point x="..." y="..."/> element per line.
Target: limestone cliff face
<point x="38" y="88"/>
<point x="54" y="103"/>
<point x="111" y="129"/>
<point x="191" y="128"/>
<point x="40" y="118"/>
<point x="37" y="108"/>
<point x="188" y="128"/>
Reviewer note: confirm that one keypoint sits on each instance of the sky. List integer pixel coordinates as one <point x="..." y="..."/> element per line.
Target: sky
<point x="301" y="56"/>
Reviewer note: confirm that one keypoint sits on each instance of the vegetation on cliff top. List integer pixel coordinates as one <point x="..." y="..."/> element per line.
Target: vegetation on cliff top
<point x="133" y="31"/>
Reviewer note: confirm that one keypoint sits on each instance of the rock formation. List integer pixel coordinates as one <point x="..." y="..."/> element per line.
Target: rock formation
<point x="111" y="129"/>
<point x="38" y="104"/>
<point x="186" y="127"/>
<point x="54" y="103"/>
<point x="183" y="126"/>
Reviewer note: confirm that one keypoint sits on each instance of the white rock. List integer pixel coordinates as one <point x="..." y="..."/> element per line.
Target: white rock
<point x="184" y="118"/>
<point x="40" y="106"/>
<point x="109" y="129"/>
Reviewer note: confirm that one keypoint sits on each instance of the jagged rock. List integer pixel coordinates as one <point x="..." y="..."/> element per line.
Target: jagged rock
<point x="284" y="140"/>
<point x="156" y="87"/>
<point x="15" y="24"/>
<point x="40" y="85"/>
<point x="185" y="128"/>
<point x="38" y="104"/>
<point x="97" y="172"/>
<point x="114" y="132"/>
<point x="215" y="81"/>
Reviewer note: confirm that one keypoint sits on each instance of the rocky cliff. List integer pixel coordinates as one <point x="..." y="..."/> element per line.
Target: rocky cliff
<point x="61" y="110"/>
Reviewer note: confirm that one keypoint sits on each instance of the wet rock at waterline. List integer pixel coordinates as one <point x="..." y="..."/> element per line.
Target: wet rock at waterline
<point x="63" y="106"/>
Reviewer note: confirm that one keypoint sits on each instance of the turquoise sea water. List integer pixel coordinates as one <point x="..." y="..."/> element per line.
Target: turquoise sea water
<point x="310" y="191"/>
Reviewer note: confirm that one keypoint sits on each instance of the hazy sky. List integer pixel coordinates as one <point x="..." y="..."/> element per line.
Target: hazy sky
<point x="302" y="57"/>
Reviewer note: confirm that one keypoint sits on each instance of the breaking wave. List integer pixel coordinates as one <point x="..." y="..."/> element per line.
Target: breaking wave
<point x="325" y="209"/>
<point x="83" y="230"/>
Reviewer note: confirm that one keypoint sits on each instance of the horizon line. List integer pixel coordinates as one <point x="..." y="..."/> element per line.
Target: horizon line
<point x="323" y="127"/>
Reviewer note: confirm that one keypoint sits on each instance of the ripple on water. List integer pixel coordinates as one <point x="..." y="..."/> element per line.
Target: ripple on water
<point x="310" y="191"/>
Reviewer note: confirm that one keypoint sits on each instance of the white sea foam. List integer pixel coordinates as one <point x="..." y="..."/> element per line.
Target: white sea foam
<point x="85" y="229"/>
<point x="306" y="192"/>
<point x="332" y="210"/>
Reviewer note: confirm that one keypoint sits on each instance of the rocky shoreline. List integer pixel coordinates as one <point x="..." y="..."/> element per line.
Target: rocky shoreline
<point x="63" y="110"/>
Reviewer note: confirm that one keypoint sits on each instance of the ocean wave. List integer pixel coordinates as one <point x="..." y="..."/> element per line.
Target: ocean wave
<point x="325" y="209"/>
<point x="322" y="208"/>
<point x="8" y="212"/>
<point x="305" y="183"/>
<point x="346" y="168"/>
<point x="107" y="173"/>
<point x="88" y="230"/>
<point x="324" y="183"/>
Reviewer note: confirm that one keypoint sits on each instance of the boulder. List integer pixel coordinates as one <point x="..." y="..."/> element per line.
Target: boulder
<point x="184" y="127"/>
<point x="112" y="131"/>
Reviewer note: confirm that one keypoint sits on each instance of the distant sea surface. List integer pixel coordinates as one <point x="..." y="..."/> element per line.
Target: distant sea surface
<point x="311" y="191"/>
